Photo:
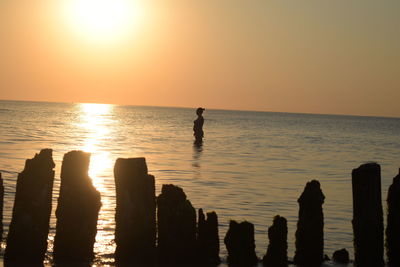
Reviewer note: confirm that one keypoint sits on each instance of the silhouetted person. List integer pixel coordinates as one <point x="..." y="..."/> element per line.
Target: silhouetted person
<point x="198" y="126"/>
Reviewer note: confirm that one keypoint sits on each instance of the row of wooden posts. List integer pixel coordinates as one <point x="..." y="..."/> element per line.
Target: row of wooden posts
<point x="162" y="230"/>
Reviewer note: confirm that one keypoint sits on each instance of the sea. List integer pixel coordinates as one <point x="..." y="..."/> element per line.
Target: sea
<point x="251" y="167"/>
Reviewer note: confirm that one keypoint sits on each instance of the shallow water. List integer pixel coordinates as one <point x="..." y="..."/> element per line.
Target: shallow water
<point x="252" y="166"/>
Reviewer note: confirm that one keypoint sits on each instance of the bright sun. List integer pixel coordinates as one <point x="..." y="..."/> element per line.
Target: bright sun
<point x="102" y="20"/>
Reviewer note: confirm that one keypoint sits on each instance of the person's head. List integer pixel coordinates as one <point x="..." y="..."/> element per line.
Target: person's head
<point x="199" y="111"/>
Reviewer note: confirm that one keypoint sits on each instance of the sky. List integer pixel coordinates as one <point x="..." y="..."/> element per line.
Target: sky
<point x="329" y="57"/>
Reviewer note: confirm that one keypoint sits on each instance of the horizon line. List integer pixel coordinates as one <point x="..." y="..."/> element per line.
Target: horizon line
<point x="221" y="109"/>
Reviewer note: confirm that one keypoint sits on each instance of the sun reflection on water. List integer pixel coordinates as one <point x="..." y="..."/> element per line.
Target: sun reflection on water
<point x="96" y="122"/>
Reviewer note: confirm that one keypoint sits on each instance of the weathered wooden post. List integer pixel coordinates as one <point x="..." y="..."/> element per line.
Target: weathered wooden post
<point x="367" y="215"/>
<point x="29" y="228"/>
<point x="341" y="256"/>
<point x="176" y="220"/>
<point x="277" y="249"/>
<point x="393" y="223"/>
<point x="77" y="211"/>
<point x="1" y="207"/>
<point x="208" y="239"/>
<point x="310" y="226"/>
<point x="135" y="232"/>
<point x="240" y="243"/>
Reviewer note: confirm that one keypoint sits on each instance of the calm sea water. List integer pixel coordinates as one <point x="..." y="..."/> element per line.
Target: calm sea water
<point x="252" y="166"/>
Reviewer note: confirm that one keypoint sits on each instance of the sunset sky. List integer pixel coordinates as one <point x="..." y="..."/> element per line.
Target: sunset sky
<point x="336" y="56"/>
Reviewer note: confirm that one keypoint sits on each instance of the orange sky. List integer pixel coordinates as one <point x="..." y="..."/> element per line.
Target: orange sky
<point x="339" y="57"/>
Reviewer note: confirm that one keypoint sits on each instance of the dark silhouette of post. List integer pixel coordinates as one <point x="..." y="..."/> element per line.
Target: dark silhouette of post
<point x="277" y="249"/>
<point x="208" y="239"/>
<point x="77" y="211"/>
<point x="310" y="226"/>
<point x="240" y="243"/>
<point x="393" y="223"/>
<point x="341" y="256"/>
<point x="29" y="228"/>
<point x="176" y="220"/>
<point x="135" y="218"/>
<point x="367" y="215"/>
<point x="1" y="207"/>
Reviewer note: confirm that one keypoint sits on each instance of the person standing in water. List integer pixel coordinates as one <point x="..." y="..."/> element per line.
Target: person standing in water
<point x="198" y="126"/>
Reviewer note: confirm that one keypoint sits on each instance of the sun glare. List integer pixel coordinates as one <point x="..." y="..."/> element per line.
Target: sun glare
<point x="102" y="20"/>
<point x="92" y="109"/>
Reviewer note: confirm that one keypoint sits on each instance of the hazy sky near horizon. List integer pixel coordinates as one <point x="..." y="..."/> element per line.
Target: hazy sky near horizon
<point x="336" y="56"/>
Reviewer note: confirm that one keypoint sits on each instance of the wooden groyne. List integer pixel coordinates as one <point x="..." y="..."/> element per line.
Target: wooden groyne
<point x="207" y="239"/>
<point x="310" y="226"/>
<point x="1" y="206"/>
<point x="393" y="223"/>
<point x="240" y="243"/>
<point x="164" y="230"/>
<point x="367" y="215"/>
<point x="176" y="221"/>
<point x="29" y="228"/>
<point x="276" y="255"/>
<point x="135" y="217"/>
<point x="77" y="211"/>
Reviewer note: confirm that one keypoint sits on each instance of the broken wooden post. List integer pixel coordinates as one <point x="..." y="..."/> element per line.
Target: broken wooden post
<point x="310" y="226"/>
<point x="208" y="239"/>
<point x="367" y="215"/>
<point x="1" y="207"/>
<point x="77" y="211"/>
<point x="341" y="256"/>
<point x="135" y="232"/>
<point x="29" y="228"/>
<point x="240" y="243"/>
<point x="176" y="220"/>
<point x="393" y="223"/>
<point x="277" y="249"/>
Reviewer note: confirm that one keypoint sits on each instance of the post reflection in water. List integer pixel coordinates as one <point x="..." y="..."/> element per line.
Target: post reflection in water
<point x="197" y="151"/>
<point x="96" y="122"/>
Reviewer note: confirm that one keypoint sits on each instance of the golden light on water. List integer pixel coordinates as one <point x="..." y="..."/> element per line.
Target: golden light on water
<point x="96" y="121"/>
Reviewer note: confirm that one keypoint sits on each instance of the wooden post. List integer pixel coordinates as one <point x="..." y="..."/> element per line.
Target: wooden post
<point x="208" y="239"/>
<point x="29" y="228"/>
<point x="393" y="223"/>
<point x="240" y="243"/>
<point x="277" y="249"/>
<point x="310" y="226"/>
<point x="341" y="256"/>
<point x="367" y="215"/>
<point x="135" y="232"/>
<point x="77" y="211"/>
<point x="1" y="207"/>
<point x="176" y="220"/>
